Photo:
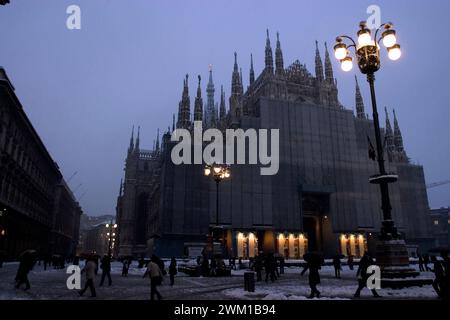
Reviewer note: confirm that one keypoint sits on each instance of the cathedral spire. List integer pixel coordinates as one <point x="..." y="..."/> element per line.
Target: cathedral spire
<point x="173" y="122"/>
<point x="198" y="107"/>
<point x="398" y="139"/>
<point x="319" y="65"/>
<point x="252" y="72"/>
<point x="389" y="135"/>
<point x="222" y="104"/>
<point x="235" y="78"/>
<point x="269" y="57"/>
<point x="328" y="67"/>
<point x="279" y="65"/>
<point x="131" y="147"/>
<point x="210" y="109"/>
<point x="157" y="140"/>
<point x="137" y="139"/>
<point x="241" y="83"/>
<point x="360" y="113"/>
<point x="184" y="109"/>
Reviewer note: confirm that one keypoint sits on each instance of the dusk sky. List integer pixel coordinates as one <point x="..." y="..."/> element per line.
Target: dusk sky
<point x="84" y="89"/>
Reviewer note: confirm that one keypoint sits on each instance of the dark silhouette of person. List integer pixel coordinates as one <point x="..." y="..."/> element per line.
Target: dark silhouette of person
<point x="350" y="262"/>
<point x="172" y="270"/>
<point x="270" y="266"/>
<point x="156" y="277"/>
<point x="213" y="267"/>
<point x="259" y="266"/>
<point x="421" y="268"/>
<point x="365" y="262"/>
<point x="446" y="284"/>
<point x="426" y="261"/>
<point x="27" y="262"/>
<point x="205" y="266"/>
<point x="125" y="266"/>
<point x="337" y="266"/>
<point x="106" y="270"/>
<point x="439" y="277"/>
<point x="282" y="264"/>
<point x="89" y="269"/>
<point x="313" y="266"/>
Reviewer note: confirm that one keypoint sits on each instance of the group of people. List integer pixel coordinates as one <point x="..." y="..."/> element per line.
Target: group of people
<point x="272" y="265"/>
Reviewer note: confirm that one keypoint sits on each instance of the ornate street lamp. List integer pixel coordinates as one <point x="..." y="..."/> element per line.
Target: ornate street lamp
<point x="111" y="234"/>
<point x="218" y="172"/>
<point x="391" y="250"/>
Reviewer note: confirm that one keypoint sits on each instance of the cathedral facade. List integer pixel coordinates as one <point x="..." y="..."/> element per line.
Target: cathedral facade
<point x="320" y="199"/>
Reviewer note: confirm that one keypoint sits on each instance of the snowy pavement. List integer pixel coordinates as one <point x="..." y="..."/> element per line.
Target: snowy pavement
<point x="51" y="284"/>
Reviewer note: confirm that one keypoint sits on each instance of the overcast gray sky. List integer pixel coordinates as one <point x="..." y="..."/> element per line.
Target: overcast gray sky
<point x="84" y="89"/>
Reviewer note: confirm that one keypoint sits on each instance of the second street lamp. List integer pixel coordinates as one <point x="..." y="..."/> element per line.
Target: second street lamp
<point x="218" y="172"/>
<point x="111" y="234"/>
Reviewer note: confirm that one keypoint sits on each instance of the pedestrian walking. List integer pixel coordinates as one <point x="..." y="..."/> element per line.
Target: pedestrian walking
<point x="350" y="262"/>
<point x="446" y="265"/>
<point x="172" y="270"/>
<point x="270" y="266"/>
<point x="421" y="268"/>
<point x="282" y="263"/>
<point x="106" y="270"/>
<point x="365" y="262"/>
<point x="313" y="264"/>
<point x="259" y="263"/>
<point x="27" y="262"/>
<point x="213" y="267"/>
<point x="426" y="261"/>
<point x="205" y="266"/>
<point x="125" y="266"/>
<point x="337" y="266"/>
<point x="439" y="277"/>
<point x="89" y="269"/>
<point x="156" y="276"/>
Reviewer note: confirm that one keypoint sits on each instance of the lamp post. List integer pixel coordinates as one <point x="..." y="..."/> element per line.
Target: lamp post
<point x="391" y="252"/>
<point x="218" y="172"/>
<point x="367" y="53"/>
<point x="111" y="228"/>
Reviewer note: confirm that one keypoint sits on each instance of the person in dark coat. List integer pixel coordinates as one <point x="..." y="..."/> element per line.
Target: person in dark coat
<point x="364" y="263"/>
<point x="446" y="265"/>
<point x="125" y="266"/>
<point x="426" y="261"/>
<point x="205" y="266"/>
<point x="106" y="270"/>
<point x="421" y="268"/>
<point x="282" y="263"/>
<point x="259" y="266"/>
<point x="213" y="267"/>
<point x="439" y="274"/>
<point x="337" y="266"/>
<point x="350" y="262"/>
<point x="313" y="277"/>
<point x="172" y="270"/>
<point x="270" y="266"/>
<point x="26" y="264"/>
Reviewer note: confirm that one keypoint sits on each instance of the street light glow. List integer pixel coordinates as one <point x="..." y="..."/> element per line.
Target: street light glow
<point x="394" y="52"/>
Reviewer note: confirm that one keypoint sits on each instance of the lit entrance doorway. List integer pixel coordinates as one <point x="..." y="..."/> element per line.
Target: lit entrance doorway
<point x="316" y="224"/>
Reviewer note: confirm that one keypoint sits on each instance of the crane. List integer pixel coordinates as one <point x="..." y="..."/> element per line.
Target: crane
<point x="437" y="184"/>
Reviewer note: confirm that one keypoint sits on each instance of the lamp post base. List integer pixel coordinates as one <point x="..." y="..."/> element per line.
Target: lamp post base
<point x="393" y="260"/>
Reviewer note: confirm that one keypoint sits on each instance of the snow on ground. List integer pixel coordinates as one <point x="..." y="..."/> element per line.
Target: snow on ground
<point x="51" y="284"/>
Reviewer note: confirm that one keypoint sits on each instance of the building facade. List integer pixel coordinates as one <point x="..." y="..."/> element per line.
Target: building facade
<point x="440" y="221"/>
<point x="320" y="199"/>
<point x="38" y="209"/>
